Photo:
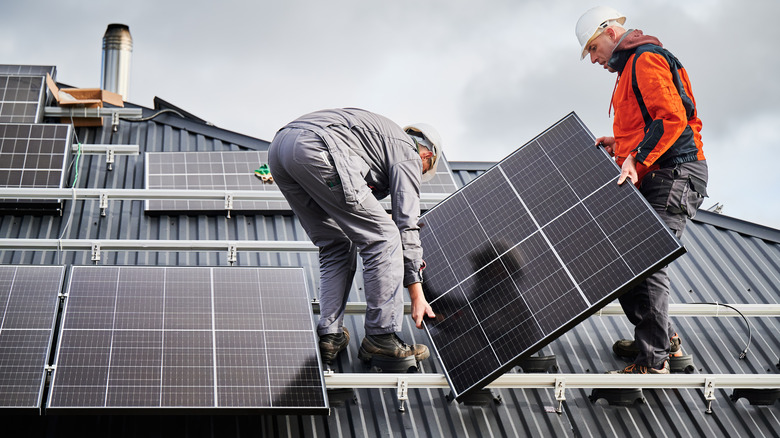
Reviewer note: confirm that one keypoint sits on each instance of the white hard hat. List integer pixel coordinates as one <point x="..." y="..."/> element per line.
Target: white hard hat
<point x="429" y="137"/>
<point x="593" y="22"/>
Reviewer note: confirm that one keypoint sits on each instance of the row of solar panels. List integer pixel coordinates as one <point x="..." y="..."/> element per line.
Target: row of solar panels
<point x="33" y="155"/>
<point x="158" y="338"/>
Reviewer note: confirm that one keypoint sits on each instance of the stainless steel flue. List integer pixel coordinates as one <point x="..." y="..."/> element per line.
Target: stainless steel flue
<point x="117" y="50"/>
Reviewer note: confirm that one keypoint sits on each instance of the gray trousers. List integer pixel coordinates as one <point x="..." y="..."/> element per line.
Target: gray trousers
<point x="304" y="170"/>
<point x="675" y="193"/>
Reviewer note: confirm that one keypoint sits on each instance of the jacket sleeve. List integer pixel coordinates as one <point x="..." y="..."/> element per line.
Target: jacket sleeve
<point x="405" y="180"/>
<point x="664" y="107"/>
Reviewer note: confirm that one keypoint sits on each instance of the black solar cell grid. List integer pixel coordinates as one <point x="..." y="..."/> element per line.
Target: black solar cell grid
<point x="531" y="248"/>
<point x="184" y="339"/>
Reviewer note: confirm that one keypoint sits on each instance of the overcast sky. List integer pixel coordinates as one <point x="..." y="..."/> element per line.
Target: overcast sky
<point x="489" y="74"/>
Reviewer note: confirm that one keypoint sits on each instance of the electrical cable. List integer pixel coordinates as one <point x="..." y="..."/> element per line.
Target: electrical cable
<point x="73" y="164"/>
<point x="743" y="353"/>
<point x="144" y="119"/>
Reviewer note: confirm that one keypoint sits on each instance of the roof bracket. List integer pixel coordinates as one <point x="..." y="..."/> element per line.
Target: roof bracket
<point x="560" y="393"/>
<point x="232" y="253"/>
<point x="228" y="204"/>
<point x="103" y="203"/>
<point x="96" y="252"/>
<point x="403" y="393"/>
<point x="110" y="155"/>
<point x="115" y="121"/>
<point x="709" y="394"/>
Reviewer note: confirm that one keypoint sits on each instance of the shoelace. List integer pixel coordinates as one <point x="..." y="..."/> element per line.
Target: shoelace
<point x="630" y="369"/>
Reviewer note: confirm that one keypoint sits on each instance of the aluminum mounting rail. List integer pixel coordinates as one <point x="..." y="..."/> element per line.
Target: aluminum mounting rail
<point x="558" y="382"/>
<point x="614" y="309"/>
<point x="146" y="194"/>
<point x="545" y="380"/>
<point x="98" y="245"/>
<point x="52" y="111"/>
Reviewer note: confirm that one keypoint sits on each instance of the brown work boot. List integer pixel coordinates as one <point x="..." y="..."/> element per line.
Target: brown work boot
<point x="332" y="344"/>
<point x="390" y="346"/>
<point x="627" y="348"/>
<point x="639" y="369"/>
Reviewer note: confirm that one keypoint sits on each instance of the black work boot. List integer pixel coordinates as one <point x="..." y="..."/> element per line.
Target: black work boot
<point x="390" y="346"/>
<point x="332" y="344"/>
<point x="627" y="348"/>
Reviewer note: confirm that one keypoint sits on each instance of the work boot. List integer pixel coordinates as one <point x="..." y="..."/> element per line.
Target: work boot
<point x="390" y="346"/>
<point x="627" y="348"/>
<point x="332" y="344"/>
<point x="639" y="369"/>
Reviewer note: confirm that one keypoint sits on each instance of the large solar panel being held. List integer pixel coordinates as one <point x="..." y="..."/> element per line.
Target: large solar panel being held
<point x="33" y="156"/>
<point x="529" y="249"/>
<point x="21" y="99"/>
<point x="234" y="170"/>
<point x="187" y="339"/>
<point x="29" y="298"/>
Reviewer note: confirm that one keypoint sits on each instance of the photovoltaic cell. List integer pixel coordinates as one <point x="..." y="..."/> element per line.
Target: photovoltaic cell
<point x="28" y="308"/>
<point x="234" y="170"/>
<point x="529" y="249"/>
<point x="183" y="339"/>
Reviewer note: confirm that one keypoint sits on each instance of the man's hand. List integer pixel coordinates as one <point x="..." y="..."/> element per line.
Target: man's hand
<point x="628" y="170"/>
<point x="420" y="306"/>
<point x="608" y="143"/>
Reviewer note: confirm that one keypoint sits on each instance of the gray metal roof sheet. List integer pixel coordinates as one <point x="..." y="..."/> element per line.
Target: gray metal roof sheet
<point x="728" y="261"/>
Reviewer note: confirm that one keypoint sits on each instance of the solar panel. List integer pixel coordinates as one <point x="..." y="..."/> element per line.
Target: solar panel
<point x="21" y="99"/>
<point x="529" y="249"/>
<point x="234" y="170"/>
<point x="33" y="156"/>
<point x="184" y="339"/>
<point x="28" y="308"/>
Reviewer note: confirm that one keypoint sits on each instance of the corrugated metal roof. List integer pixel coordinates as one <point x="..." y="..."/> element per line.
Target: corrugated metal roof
<point x="728" y="261"/>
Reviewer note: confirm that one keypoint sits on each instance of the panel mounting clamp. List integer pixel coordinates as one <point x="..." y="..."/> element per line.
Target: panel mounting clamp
<point x="103" y="203"/>
<point x="709" y="394"/>
<point x="402" y="388"/>
<point x="560" y="393"/>
<point x="228" y="203"/>
<point x="96" y="252"/>
<point x="232" y="253"/>
<point x="110" y="156"/>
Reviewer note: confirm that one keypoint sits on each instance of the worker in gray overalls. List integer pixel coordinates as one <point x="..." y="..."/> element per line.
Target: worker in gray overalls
<point x="333" y="166"/>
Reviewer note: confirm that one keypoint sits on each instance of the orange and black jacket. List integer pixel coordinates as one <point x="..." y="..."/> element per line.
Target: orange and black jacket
<point x="655" y="112"/>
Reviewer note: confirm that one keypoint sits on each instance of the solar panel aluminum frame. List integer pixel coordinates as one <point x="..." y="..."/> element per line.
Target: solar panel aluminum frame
<point x="190" y="410"/>
<point x="36" y="407"/>
<point x="460" y="393"/>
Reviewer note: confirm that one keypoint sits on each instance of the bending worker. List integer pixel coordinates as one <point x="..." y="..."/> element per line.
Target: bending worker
<point x="333" y="166"/>
<point x="657" y="143"/>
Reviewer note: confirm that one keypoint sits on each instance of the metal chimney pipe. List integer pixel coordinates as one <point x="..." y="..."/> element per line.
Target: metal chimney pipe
<point x="117" y="49"/>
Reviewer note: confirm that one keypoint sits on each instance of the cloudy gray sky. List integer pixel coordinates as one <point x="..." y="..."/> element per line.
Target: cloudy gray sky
<point x="489" y="74"/>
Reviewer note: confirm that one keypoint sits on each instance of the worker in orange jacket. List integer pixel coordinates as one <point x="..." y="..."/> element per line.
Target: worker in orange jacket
<point x="657" y="143"/>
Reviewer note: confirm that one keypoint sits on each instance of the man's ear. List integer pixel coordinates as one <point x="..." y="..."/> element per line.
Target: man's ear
<point x="426" y="154"/>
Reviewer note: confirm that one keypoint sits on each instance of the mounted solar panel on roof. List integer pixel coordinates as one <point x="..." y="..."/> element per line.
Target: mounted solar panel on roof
<point x="29" y="298"/>
<point x="234" y="170"/>
<point x="529" y="249"/>
<point x="33" y="156"/>
<point x="21" y="99"/>
<point x="187" y="339"/>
